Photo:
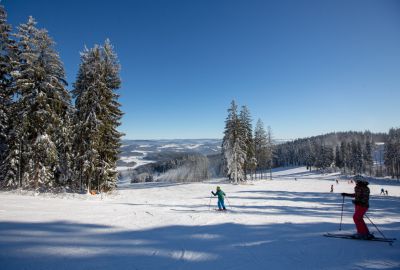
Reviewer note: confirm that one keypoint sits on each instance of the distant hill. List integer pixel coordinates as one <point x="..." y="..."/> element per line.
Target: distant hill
<point x="139" y="152"/>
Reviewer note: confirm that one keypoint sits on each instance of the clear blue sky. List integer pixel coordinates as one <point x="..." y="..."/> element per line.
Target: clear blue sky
<point x="303" y="67"/>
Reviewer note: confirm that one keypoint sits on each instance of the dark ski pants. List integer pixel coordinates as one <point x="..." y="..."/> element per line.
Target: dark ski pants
<point x="221" y="204"/>
<point x="359" y="221"/>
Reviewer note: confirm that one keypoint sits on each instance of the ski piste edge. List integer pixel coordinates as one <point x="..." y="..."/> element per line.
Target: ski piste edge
<point x="351" y="237"/>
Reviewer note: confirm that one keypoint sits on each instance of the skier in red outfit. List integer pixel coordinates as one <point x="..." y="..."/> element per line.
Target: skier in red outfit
<point x="361" y="202"/>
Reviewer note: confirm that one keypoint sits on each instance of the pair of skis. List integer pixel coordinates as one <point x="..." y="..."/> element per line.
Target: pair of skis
<point x="354" y="237"/>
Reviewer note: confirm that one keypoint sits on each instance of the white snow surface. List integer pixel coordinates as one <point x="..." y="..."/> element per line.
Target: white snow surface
<point x="139" y="160"/>
<point x="274" y="224"/>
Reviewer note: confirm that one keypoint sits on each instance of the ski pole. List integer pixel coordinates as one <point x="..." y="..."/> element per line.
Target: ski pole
<point x="228" y="202"/>
<point x="374" y="225"/>
<point x="341" y="216"/>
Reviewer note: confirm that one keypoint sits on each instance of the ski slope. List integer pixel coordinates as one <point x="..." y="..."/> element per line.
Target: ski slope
<point x="274" y="224"/>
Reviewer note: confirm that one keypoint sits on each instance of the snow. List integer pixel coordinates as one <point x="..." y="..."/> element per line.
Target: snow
<point x="169" y="146"/>
<point x="139" y="160"/>
<point x="193" y="146"/>
<point x="274" y="224"/>
<point x="128" y="159"/>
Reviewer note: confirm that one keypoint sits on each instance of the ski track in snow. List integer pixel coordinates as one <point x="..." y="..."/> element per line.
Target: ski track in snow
<point x="274" y="224"/>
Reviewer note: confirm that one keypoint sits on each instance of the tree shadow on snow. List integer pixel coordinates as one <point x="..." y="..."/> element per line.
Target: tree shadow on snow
<point x="63" y="245"/>
<point x="313" y="204"/>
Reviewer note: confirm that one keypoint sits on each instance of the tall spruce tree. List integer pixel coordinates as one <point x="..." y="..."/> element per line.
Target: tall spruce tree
<point x="247" y="129"/>
<point x="97" y="117"/>
<point x="270" y="150"/>
<point x="233" y="145"/>
<point x="338" y="157"/>
<point x="392" y="153"/>
<point x="367" y="156"/>
<point x="261" y="146"/>
<point x="344" y="155"/>
<point x="7" y="60"/>
<point x="41" y="104"/>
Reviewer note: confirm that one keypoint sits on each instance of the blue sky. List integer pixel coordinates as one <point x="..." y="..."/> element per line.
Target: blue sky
<point x="304" y="67"/>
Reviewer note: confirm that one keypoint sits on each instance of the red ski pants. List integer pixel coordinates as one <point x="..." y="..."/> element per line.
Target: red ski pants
<point x="358" y="219"/>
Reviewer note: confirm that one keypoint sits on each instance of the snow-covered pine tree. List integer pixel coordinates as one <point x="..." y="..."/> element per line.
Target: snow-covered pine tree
<point x="110" y="141"/>
<point x="356" y="157"/>
<point x="86" y="124"/>
<point x="338" y="157"/>
<point x="309" y="158"/>
<point x="247" y="129"/>
<point x="367" y="156"/>
<point x="42" y="104"/>
<point x="270" y="150"/>
<point x="392" y="153"/>
<point x="97" y="117"/>
<point x="7" y="58"/>
<point x="261" y="146"/>
<point x="233" y="145"/>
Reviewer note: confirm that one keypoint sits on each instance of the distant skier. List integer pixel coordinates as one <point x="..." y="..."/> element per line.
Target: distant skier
<point x="337" y="181"/>
<point x="331" y="188"/>
<point x="387" y="193"/>
<point x="361" y="201"/>
<point x="382" y="191"/>
<point x="221" y="196"/>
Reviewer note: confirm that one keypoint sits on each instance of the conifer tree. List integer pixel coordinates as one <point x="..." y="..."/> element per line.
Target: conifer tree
<point x="7" y="60"/>
<point x="247" y="129"/>
<point x="338" y="157"/>
<point x="261" y="146"/>
<point x="392" y="153"/>
<point x="270" y="150"/>
<point x="367" y="156"/>
<point x="344" y="155"/>
<point x="97" y="117"/>
<point x="233" y="145"/>
<point x="42" y="104"/>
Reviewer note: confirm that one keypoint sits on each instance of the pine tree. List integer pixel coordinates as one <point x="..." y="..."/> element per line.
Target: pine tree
<point x="344" y="155"/>
<point x="367" y="156"/>
<point x="261" y="146"/>
<point x="245" y="120"/>
<point x="392" y="153"/>
<point x="356" y="157"/>
<point x="97" y="117"/>
<point x="110" y="137"/>
<point x="270" y="150"/>
<point x="233" y="145"/>
<point x="41" y="104"/>
<point x="7" y="60"/>
<point x="338" y="157"/>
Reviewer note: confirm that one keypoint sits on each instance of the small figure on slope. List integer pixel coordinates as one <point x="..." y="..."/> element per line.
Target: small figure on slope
<point x="361" y="202"/>
<point x="382" y="191"/>
<point x="331" y="188"/>
<point x="221" y="196"/>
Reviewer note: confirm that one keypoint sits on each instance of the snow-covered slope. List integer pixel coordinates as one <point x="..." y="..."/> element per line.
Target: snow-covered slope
<point x="274" y="224"/>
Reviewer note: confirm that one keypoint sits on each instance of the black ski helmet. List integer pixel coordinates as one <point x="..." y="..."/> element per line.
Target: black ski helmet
<point x="360" y="179"/>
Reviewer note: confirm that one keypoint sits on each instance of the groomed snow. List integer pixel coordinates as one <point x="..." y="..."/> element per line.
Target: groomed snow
<point x="274" y="224"/>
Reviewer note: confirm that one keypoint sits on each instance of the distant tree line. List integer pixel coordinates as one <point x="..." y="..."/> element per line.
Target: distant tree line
<point x="392" y="153"/>
<point x="351" y="152"/>
<point x="45" y="141"/>
<point x="243" y="152"/>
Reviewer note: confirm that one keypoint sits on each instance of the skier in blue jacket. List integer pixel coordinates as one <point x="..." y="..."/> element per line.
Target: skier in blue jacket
<point x="221" y="195"/>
